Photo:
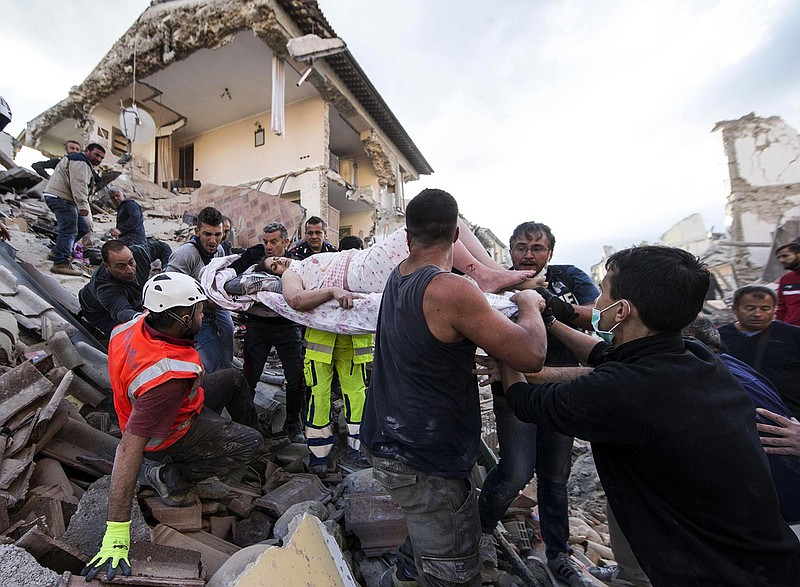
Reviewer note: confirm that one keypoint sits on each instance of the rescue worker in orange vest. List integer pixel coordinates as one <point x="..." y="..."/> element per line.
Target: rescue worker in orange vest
<point x="163" y="410"/>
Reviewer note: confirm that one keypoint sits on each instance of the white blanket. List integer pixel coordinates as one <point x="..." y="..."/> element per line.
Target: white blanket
<point x="330" y="317"/>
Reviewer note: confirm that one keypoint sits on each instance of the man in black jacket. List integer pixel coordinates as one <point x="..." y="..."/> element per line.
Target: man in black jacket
<point x="673" y="434"/>
<point x="130" y="223"/>
<point x="114" y="293"/>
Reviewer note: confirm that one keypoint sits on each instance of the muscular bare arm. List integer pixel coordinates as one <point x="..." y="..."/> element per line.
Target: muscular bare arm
<point x="300" y="298"/>
<point x="127" y="463"/>
<point x="456" y="309"/>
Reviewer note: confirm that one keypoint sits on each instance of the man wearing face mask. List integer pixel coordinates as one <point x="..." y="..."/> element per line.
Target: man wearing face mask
<point x="169" y="411"/>
<point x="526" y="449"/>
<point x="673" y="433"/>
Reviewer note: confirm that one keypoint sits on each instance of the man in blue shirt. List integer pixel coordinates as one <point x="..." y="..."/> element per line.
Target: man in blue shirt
<point x="525" y="448"/>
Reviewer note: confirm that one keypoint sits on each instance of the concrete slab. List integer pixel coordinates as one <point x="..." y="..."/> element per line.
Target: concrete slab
<point x="8" y="282"/>
<point x="77" y="443"/>
<point x="64" y="351"/>
<point x="88" y="524"/>
<point x="51" y="552"/>
<point x="298" y="488"/>
<point x="211" y="558"/>
<point x="19" y="568"/>
<point x="377" y="521"/>
<point x="26" y="302"/>
<point x="50" y="472"/>
<point x="95" y="366"/>
<point x="159" y="560"/>
<point x="181" y="518"/>
<point x="21" y="387"/>
<point x="311" y="557"/>
<point x="49" y="410"/>
<point x="236" y="564"/>
<point x="315" y="508"/>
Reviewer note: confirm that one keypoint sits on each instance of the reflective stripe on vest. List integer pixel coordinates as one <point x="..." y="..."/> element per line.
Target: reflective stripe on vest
<point x="160" y="368"/>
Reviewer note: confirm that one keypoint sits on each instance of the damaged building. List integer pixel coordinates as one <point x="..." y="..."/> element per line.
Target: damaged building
<point x="251" y="94"/>
<point x="762" y="211"/>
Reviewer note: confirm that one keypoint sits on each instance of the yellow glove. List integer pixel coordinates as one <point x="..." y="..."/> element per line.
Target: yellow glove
<point x="114" y="551"/>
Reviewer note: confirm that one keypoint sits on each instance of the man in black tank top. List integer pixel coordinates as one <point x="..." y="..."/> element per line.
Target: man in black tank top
<point x="421" y="422"/>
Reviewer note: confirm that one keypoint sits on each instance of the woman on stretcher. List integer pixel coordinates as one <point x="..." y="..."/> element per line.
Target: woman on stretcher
<point x="342" y="276"/>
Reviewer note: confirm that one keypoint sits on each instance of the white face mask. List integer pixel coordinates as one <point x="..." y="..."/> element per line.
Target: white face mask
<point x="606" y="335"/>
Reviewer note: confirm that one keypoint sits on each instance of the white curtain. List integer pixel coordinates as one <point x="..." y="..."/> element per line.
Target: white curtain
<point x="278" y="95"/>
<point x="165" y="168"/>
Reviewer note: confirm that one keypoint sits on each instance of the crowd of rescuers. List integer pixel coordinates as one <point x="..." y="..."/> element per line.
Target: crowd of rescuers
<point x="672" y="406"/>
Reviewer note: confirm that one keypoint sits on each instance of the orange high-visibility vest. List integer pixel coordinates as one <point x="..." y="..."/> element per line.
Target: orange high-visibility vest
<point x="137" y="362"/>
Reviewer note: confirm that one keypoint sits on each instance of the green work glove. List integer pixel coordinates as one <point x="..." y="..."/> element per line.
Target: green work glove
<point x="114" y="551"/>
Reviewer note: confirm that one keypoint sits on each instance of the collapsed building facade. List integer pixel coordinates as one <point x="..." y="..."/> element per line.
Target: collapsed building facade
<point x="233" y="105"/>
<point x="762" y="208"/>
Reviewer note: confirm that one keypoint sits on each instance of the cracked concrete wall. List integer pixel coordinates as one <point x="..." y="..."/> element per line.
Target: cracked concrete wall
<point x="764" y="168"/>
<point x="689" y="234"/>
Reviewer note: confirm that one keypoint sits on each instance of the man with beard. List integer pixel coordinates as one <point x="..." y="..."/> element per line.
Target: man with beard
<point x="114" y="292"/>
<point x="215" y="339"/>
<point x="789" y="285"/>
<point x="167" y="410"/>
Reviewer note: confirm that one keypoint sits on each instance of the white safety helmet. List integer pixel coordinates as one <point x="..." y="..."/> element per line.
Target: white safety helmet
<point x="171" y="290"/>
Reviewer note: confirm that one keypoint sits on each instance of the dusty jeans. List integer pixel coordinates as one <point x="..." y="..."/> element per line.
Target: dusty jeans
<point x="212" y="446"/>
<point x="443" y="524"/>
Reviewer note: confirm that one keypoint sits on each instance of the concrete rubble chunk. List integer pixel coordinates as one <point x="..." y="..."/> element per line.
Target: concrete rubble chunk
<point x="76" y="444"/>
<point x="254" y="529"/>
<point x="310" y="557"/>
<point x="299" y="488"/>
<point x="26" y="302"/>
<point x="8" y="282"/>
<point x="213" y="541"/>
<point x="49" y="472"/>
<point x="159" y="560"/>
<point x="314" y="508"/>
<point x="237" y="563"/>
<point x="88" y="524"/>
<point x="21" y="387"/>
<point x="211" y="558"/>
<point x="68" y="300"/>
<point x="181" y="518"/>
<point x="49" y="410"/>
<point x="95" y="366"/>
<point x="19" y="568"/>
<point x="362" y="482"/>
<point x="64" y="351"/>
<point x="377" y="521"/>
<point x="51" y="552"/>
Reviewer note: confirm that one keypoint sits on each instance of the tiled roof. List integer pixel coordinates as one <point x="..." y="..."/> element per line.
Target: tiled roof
<point x="308" y="16"/>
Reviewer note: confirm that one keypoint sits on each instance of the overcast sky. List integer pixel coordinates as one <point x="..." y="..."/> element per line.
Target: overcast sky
<point x="593" y="117"/>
